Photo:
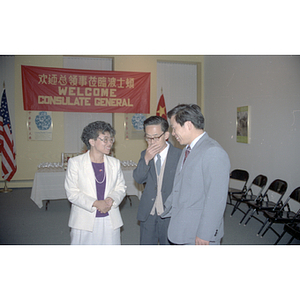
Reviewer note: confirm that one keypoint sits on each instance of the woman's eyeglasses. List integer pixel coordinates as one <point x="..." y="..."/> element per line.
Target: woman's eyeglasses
<point x="107" y="139"/>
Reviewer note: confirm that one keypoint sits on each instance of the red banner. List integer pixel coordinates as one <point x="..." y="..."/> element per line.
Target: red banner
<point x="57" y="89"/>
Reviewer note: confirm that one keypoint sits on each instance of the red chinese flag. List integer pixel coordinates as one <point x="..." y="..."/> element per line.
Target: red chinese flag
<point x="161" y="108"/>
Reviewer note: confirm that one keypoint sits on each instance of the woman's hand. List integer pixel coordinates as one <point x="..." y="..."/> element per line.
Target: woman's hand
<point x="103" y="205"/>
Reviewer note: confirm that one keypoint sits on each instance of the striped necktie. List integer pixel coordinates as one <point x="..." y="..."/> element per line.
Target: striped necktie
<point x="187" y="152"/>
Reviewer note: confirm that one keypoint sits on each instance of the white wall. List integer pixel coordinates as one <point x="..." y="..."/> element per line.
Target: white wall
<point x="270" y="85"/>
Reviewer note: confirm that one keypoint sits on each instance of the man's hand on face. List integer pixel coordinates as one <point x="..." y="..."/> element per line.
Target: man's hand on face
<point x="151" y="151"/>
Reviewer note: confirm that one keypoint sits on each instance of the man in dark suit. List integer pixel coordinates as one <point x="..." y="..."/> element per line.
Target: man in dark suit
<point x="156" y="169"/>
<point x="198" y="199"/>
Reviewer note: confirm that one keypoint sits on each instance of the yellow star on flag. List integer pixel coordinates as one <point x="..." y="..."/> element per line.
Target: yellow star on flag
<point x="161" y="111"/>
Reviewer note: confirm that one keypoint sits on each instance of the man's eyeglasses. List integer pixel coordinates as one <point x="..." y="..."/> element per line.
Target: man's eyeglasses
<point x="154" y="139"/>
<point x="107" y="139"/>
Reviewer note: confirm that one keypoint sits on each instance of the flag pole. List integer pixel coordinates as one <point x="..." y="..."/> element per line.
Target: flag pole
<point x="5" y="189"/>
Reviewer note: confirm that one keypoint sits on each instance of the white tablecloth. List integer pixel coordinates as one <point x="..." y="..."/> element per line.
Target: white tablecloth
<point x="133" y="188"/>
<point x="50" y="186"/>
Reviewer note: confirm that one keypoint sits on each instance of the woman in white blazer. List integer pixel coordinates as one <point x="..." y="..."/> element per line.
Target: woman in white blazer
<point x="95" y="186"/>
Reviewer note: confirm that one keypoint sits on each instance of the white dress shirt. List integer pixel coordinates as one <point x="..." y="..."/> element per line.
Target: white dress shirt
<point x="163" y="154"/>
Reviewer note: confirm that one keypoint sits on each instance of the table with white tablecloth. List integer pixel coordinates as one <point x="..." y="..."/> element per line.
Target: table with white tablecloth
<point x="133" y="188"/>
<point x="49" y="185"/>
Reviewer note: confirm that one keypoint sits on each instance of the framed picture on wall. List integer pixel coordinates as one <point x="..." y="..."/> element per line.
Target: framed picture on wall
<point x="243" y="125"/>
<point x="134" y="126"/>
<point x="39" y="125"/>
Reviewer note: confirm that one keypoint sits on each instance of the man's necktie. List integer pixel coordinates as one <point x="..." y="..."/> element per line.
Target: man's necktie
<point x="158" y="164"/>
<point x="187" y="152"/>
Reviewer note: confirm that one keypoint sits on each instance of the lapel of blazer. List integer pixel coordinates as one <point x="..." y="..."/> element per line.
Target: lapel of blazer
<point x="169" y="159"/>
<point x="88" y="171"/>
<point x="152" y="166"/>
<point x="182" y="168"/>
<point x="195" y="151"/>
<point x="179" y="170"/>
<point x="109" y="166"/>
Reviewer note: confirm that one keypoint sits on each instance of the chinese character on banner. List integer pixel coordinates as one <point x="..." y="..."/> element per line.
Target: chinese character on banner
<point x="161" y="107"/>
<point x="7" y="148"/>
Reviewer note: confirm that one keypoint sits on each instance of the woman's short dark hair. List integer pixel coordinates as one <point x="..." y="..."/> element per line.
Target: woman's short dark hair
<point x="93" y="130"/>
<point x="188" y="112"/>
<point x="156" y="120"/>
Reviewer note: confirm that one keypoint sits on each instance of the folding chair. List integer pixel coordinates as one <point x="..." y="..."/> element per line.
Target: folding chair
<point x="237" y="177"/>
<point x="283" y="216"/>
<point x="293" y="229"/>
<point x="277" y="188"/>
<point x="258" y="183"/>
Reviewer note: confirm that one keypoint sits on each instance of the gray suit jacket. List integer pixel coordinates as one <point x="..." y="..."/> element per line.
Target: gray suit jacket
<point x="146" y="174"/>
<point x="198" y="199"/>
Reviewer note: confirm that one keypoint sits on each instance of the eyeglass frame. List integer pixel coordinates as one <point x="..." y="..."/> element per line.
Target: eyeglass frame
<point x="156" y="138"/>
<point x="106" y="139"/>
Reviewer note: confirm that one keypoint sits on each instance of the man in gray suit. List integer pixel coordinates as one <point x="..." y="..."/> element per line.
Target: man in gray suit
<point x="198" y="199"/>
<point x="156" y="169"/>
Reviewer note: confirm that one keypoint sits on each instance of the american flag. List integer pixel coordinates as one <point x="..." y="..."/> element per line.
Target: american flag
<point x="7" y="148"/>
